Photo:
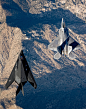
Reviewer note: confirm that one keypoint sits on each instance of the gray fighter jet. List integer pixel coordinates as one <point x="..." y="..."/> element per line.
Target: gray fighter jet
<point x="64" y="44"/>
<point x="21" y="73"/>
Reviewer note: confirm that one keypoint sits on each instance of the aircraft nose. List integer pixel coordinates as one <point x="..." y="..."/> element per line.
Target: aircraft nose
<point x="62" y="24"/>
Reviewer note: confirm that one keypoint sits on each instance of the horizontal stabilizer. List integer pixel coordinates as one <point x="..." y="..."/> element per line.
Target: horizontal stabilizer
<point x="57" y="55"/>
<point x="72" y="55"/>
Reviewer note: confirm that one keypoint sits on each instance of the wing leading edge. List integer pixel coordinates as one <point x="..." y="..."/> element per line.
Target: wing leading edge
<point x="11" y="78"/>
<point x="54" y="44"/>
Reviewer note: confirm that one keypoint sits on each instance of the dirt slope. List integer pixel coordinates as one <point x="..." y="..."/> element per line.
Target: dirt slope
<point x="31" y="25"/>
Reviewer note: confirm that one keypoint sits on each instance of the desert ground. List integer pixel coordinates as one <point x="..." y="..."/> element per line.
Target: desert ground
<point x="31" y="25"/>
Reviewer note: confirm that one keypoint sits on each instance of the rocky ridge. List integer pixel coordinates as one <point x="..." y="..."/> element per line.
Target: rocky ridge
<point x="34" y="40"/>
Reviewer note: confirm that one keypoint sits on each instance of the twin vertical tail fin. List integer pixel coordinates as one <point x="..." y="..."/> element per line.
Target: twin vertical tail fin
<point x="20" y="87"/>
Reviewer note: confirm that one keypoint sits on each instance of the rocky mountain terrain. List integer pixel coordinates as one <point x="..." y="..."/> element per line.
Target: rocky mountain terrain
<point x="31" y="25"/>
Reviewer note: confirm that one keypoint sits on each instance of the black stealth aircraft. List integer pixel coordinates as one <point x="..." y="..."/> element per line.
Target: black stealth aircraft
<point x="21" y="73"/>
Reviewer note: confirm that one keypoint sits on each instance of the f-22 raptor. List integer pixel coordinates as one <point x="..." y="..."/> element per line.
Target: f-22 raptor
<point x="64" y="44"/>
<point x="21" y="73"/>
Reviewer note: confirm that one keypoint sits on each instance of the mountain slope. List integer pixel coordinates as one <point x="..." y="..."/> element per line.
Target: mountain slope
<point x="32" y="25"/>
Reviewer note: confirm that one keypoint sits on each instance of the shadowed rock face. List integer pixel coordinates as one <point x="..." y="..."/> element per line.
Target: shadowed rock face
<point x="26" y="20"/>
<point x="62" y="83"/>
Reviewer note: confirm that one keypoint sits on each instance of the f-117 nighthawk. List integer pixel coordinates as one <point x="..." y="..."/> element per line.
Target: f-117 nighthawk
<point x="64" y="43"/>
<point x="21" y="73"/>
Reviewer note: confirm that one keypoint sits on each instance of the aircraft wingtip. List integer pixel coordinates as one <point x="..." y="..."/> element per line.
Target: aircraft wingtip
<point x="35" y="86"/>
<point x="6" y="87"/>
